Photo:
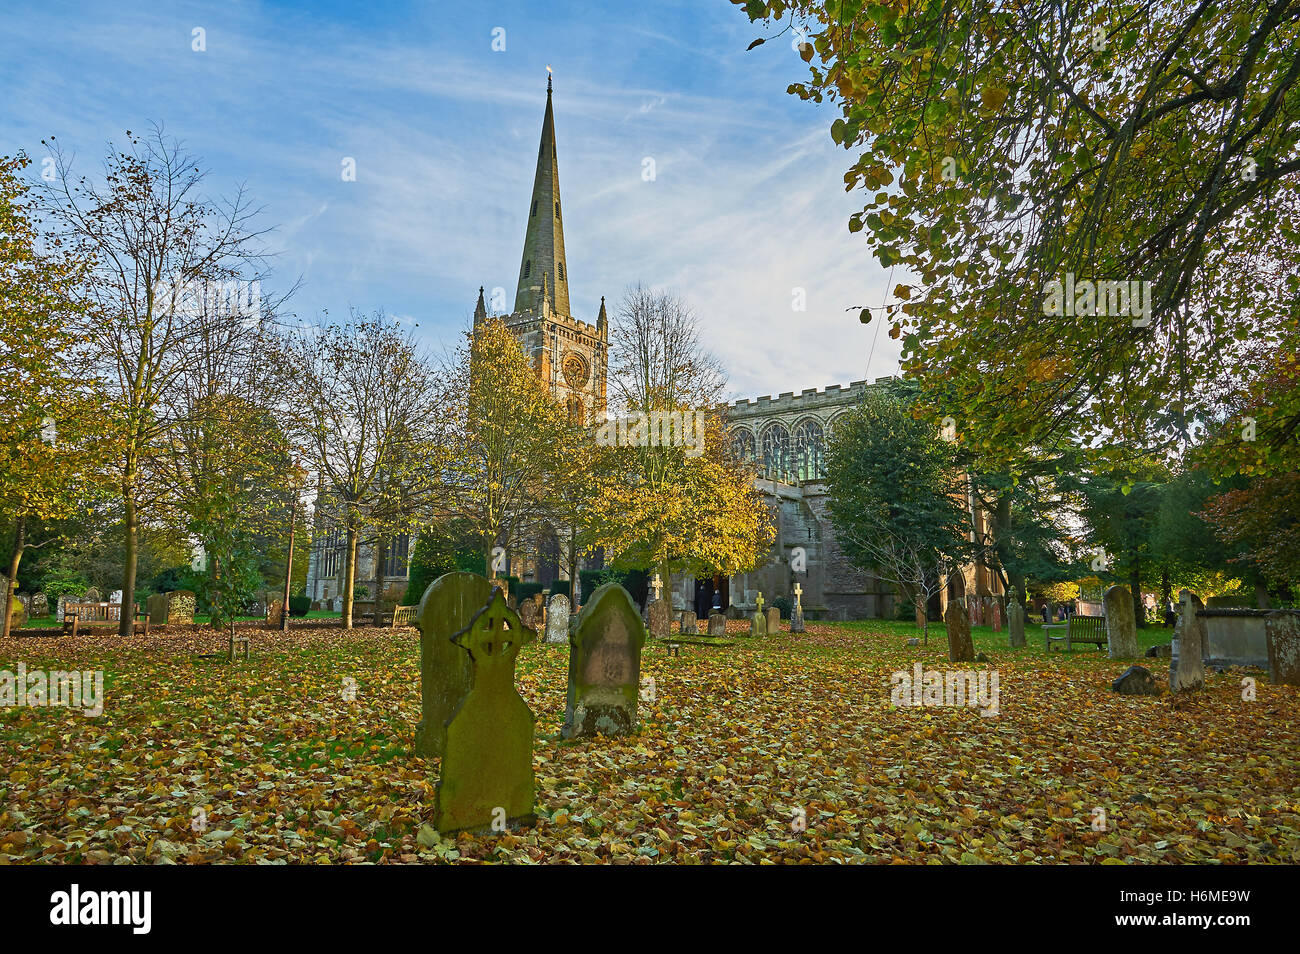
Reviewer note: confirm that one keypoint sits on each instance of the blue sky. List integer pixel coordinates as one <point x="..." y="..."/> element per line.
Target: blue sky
<point x="746" y="206"/>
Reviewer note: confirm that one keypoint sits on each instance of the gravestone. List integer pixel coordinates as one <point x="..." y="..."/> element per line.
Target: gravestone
<point x="657" y="620"/>
<point x="528" y="614"/>
<point x="59" y="607"/>
<point x="1189" y="645"/>
<point x="180" y="607"/>
<point x="40" y="605"/>
<point x="1282" y="631"/>
<point x="487" y="768"/>
<point x="773" y="620"/>
<point x="1016" y="624"/>
<point x="156" y="606"/>
<point x="92" y="596"/>
<point x="275" y="614"/>
<point x="758" y="622"/>
<point x="17" y="614"/>
<point x="995" y="612"/>
<point x="689" y="624"/>
<point x="557" y="619"/>
<point x="1121" y="627"/>
<point x="447" y="607"/>
<point x="960" y="647"/>
<point x="604" y="666"/>
<point x="734" y="612"/>
<point x="717" y="624"/>
<point x="257" y="608"/>
<point x="796" y="612"/>
<point x="1136" y="681"/>
<point x="115" y="597"/>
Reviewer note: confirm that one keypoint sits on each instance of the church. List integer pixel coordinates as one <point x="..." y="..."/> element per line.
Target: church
<point x="784" y="437"/>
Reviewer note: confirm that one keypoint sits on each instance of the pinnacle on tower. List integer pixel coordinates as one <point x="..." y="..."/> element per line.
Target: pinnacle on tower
<point x="602" y="320"/>
<point x="543" y="256"/>
<point x="480" y="310"/>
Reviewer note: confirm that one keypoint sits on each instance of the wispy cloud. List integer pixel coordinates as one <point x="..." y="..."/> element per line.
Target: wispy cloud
<point x="746" y="206"/>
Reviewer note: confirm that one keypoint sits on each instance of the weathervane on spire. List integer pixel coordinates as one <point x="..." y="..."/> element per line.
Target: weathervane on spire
<point x="548" y="77"/>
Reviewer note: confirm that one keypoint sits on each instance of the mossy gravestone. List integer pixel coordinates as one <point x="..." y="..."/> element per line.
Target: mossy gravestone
<point x="448" y="605"/>
<point x="657" y="619"/>
<point x="773" y="620"/>
<point x="604" y="666"/>
<point x="1016" y="624"/>
<point x="1121" y="627"/>
<point x="487" y="771"/>
<point x="1189" y="645"/>
<point x="960" y="647"/>
<point x="557" y="619"/>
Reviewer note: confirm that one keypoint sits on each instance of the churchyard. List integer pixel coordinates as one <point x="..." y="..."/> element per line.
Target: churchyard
<point x="785" y="748"/>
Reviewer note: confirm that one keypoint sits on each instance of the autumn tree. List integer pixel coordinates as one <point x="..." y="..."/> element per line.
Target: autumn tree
<point x="678" y="502"/>
<point x="49" y="406"/>
<point x="897" y="497"/>
<point x="154" y="240"/>
<point x="1003" y="147"/>
<point x="367" y="409"/>
<point x="504" y="435"/>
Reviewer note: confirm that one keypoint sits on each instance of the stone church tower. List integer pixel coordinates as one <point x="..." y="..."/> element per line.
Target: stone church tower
<point x="568" y="354"/>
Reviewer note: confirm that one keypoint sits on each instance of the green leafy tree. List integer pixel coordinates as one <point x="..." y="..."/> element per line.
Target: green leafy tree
<point x="1005" y="146"/>
<point x="898" y="497"/>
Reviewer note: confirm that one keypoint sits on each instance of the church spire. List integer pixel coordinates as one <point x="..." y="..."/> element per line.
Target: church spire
<point x="544" y="237"/>
<point x="480" y="310"/>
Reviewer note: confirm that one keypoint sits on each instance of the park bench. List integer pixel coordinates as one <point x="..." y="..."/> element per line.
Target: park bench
<point x="1078" y="629"/>
<point x="79" y="615"/>
<point x="403" y="616"/>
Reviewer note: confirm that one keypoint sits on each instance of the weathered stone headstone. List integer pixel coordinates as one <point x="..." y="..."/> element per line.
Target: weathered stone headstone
<point x="40" y="605"/>
<point x="275" y="614"/>
<point x="180" y="607"/>
<point x="689" y="623"/>
<point x="1282" y="630"/>
<point x="557" y="619"/>
<point x="1016" y="624"/>
<point x="487" y="769"/>
<point x="796" y="612"/>
<point x="960" y="647"/>
<point x="995" y="613"/>
<point x="657" y="620"/>
<point x="447" y="607"/>
<point x="59" y="607"/>
<point x="1121" y="627"/>
<point x="734" y="612"/>
<point x="1136" y="681"/>
<point x="1190" y="642"/>
<point x="758" y="622"/>
<point x="773" y="620"/>
<point x="528" y="614"/>
<point x="156" y="605"/>
<point x="92" y="596"/>
<point x="717" y="624"/>
<point x="604" y="666"/>
<point x="17" y="614"/>
<point x="115" y="597"/>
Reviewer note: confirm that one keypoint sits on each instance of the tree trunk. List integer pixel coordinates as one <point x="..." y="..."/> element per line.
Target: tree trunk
<point x="349" y="573"/>
<point x="132" y="558"/>
<point x="1135" y="586"/>
<point x="20" y="540"/>
<point x="288" y="568"/>
<point x="1166" y="589"/>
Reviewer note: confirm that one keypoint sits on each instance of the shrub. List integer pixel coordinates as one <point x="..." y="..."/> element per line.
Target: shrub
<point x="299" y="605"/>
<point x="525" y="591"/>
<point x="784" y="604"/>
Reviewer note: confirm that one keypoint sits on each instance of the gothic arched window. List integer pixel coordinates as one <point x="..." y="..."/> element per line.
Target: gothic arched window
<point x="742" y="443"/>
<point x="557" y="210"/>
<point x="809" y="450"/>
<point x="528" y="267"/>
<point x="560" y="266"/>
<point x="776" y="450"/>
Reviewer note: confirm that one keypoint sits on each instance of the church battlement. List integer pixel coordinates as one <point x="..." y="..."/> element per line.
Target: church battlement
<point x="786" y="400"/>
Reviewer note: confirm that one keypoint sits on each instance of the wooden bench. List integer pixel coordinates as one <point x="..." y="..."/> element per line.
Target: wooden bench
<point x="77" y="615"/>
<point x="1078" y="629"/>
<point x="403" y="616"/>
